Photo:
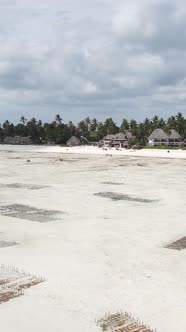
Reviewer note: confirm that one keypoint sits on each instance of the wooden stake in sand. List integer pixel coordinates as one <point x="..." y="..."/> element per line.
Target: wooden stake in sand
<point x="13" y="282"/>
<point x="122" y="322"/>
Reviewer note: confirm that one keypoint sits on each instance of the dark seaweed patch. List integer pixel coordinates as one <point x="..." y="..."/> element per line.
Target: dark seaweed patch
<point x="22" y="186"/>
<point x="123" y="197"/>
<point x="4" y="244"/>
<point x="113" y="183"/>
<point x="71" y="160"/>
<point x="29" y="213"/>
<point x="178" y="245"/>
<point x="141" y="164"/>
<point x="14" y="158"/>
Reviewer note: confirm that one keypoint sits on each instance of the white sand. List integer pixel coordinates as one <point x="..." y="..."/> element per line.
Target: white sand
<point x="101" y="255"/>
<point x="89" y="150"/>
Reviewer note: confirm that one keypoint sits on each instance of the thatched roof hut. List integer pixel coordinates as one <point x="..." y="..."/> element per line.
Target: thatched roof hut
<point x="120" y="137"/>
<point x="108" y="137"/>
<point x="115" y="140"/>
<point x="120" y="140"/>
<point x="158" y="135"/>
<point x="17" y="140"/>
<point x="129" y="135"/>
<point x="73" y="141"/>
<point x="174" y="135"/>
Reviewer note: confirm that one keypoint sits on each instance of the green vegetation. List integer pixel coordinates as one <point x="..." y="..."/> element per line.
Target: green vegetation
<point x="163" y="147"/>
<point x="58" y="132"/>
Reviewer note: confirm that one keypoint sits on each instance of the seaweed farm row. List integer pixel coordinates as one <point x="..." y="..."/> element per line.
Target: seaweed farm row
<point x="13" y="282"/>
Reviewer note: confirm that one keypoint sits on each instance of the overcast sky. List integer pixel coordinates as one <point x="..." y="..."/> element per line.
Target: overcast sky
<point x="96" y="58"/>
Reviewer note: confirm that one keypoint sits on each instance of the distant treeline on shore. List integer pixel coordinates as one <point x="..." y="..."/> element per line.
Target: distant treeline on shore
<point x="58" y="132"/>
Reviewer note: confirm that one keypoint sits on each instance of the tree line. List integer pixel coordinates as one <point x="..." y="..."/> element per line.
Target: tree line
<point x="58" y="132"/>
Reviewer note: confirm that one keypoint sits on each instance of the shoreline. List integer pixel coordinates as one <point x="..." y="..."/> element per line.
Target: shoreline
<point x="92" y="150"/>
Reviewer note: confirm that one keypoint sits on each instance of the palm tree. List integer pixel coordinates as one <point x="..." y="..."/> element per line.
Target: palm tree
<point x="155" y="122"/>
<point x="82" y="127"/>
<point x="180" y="124"/>
<point x="147" y="125"/>
<point x="171" y="122"/>
<point x="8" y="128"/>
<point x="88" y="122"/>
<point x="33" y="129"/>
<point x="124" y="125"/>
<point x="110" y="126"/>
<point x="33" y="121"/>
<point x="71" y="127"/>
<point x="133" y="127"/>
<point x="58" y="119"/>
<point x="23" y="120"/>
<point x="94" y="125"/>
<point x="179" y="116"/>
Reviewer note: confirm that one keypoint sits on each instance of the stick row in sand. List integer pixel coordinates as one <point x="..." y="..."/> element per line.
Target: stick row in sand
<point x="122" y="322"/>
<point x="13" y="282"/>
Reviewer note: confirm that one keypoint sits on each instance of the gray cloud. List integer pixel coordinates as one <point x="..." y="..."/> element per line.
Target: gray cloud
<point x="96" y="58"/>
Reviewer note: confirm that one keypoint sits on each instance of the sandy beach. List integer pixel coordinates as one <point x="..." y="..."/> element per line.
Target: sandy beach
<point x="92" y="150"/>
<point x="96" y="229"/>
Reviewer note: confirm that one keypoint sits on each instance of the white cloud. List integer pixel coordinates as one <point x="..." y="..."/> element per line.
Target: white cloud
<point x="127" y="19"/>
<point x="89" y="88"/>
<point x="103" y="55"/>
<point x="145" y="63"/>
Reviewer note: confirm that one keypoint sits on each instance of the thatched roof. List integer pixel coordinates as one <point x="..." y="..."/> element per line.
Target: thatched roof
<point x="17" y="140"/>
<point x="128" y="134"/>
<point x="120" y="137"/>
<point x="116" y="137"/>
<point x="73" y="141"/>
<point x="108" y="137"/>
<point x="174" y="135"/>
<point x="158" y="134"/>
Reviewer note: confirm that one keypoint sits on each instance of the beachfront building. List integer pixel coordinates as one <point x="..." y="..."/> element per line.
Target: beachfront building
<point x="73" y="141"/>
<point x="117" y="140"/>
<point x="107" y="140"/>
<point x="175" y="139"/>
<point x="158" y="137"/>
<point x="120" y="140"/>
<point x="19" y="140"/>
